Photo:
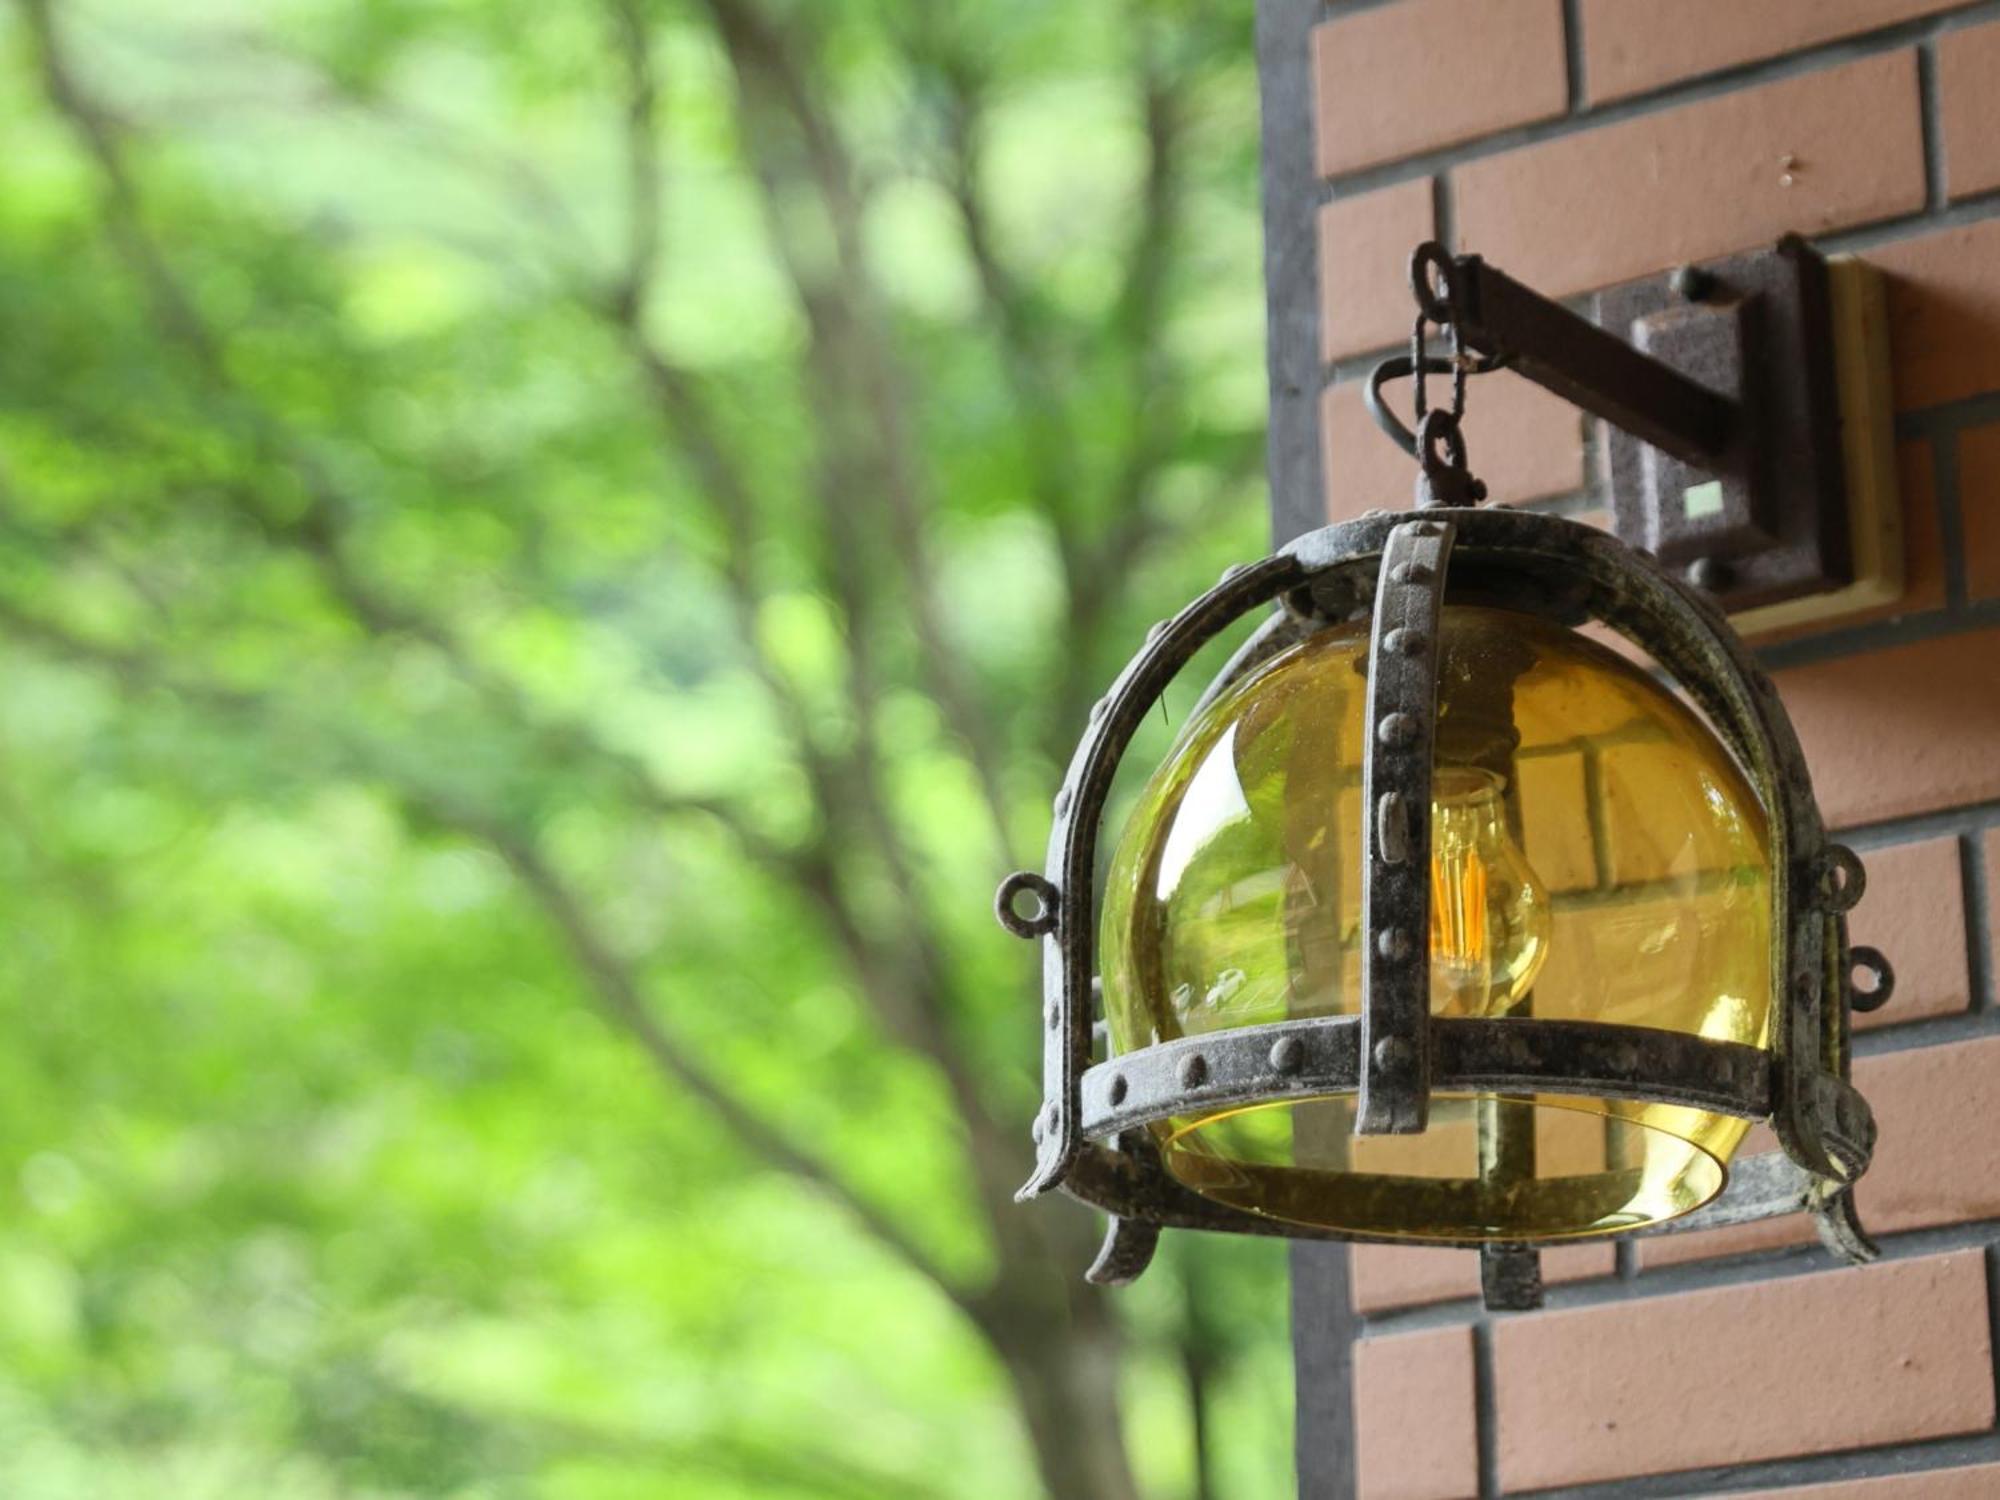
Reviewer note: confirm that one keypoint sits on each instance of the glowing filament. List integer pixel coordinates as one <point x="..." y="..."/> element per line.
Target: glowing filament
<point x="1489" y="913"/>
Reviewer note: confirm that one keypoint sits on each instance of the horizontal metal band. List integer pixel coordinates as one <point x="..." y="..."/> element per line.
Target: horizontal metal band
<point x="1320" y="1055"/>
<point x="1134" y="1187"/>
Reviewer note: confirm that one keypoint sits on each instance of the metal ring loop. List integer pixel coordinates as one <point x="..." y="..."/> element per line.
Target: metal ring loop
<point x="1440" y="427"/>
<point x="1399" y="367"/>
<point x="1877" y="994"/>
<point x="1842" y="878"/>
<point x="1043" y="921"/>
<point x="1431" y="266"/>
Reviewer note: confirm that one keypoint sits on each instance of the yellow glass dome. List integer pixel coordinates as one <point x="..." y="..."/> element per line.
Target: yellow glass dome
<point x="1596" y="855"/>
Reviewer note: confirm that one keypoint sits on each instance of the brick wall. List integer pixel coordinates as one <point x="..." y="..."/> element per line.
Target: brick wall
<point x="1578" y="144"/>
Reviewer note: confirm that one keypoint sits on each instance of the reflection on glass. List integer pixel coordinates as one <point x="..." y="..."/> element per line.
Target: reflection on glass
<point x="1596" y="855"/>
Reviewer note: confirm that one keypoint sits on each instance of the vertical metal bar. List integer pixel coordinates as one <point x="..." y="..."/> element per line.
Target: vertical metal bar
<point x="1395" y="837"/>
<point x="1510" y="1277"/>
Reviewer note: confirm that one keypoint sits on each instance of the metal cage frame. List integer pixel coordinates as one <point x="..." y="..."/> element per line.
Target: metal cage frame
<point x="1090" y="1133"/>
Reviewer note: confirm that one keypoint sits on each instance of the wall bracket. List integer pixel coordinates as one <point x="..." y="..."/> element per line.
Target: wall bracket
<point x="1749" y="439"/>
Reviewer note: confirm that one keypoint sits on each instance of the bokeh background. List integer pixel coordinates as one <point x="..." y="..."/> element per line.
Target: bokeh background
<point x="550" y="556"/>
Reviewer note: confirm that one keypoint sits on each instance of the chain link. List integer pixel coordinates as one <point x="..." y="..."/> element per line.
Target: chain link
<point x="1461" y="365"/>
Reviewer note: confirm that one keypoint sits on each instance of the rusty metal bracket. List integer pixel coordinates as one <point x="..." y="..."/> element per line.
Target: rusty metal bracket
<point x="1764" y="518"/>
<point x="1719" y="384"/>
<point x="1501" y="319"/>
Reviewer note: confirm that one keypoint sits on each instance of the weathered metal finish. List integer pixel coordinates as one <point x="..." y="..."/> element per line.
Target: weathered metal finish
<point x="1882" y="981"/>
<point x="1724" y="443"/>
<point x="1068" y="948"/>
<point x="1128" y="1249"/>
<point x="1128" y="1243"/>
<point x="1596" y="370"/>
<point x="1697" y="517"/>
<point x="1038" y="923"/>
<point x="1764" y="519"/>
<point x="1395" y="839"/>
<point x="1571" y="573"/>
<point x="1443" y="478"/>
<point x="1510" y="1277"/>
<point x="1316" y="1056"/>
<point x="1402" y="366"/>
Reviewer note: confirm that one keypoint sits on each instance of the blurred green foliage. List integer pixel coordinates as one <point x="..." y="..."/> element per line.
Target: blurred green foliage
<point x="549" y="558"/>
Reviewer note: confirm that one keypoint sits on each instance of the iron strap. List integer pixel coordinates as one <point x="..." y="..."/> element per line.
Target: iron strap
<point x="1320" y="1056"/>
<point x="1396" y="838"/>
<point x="1069" y="943"/>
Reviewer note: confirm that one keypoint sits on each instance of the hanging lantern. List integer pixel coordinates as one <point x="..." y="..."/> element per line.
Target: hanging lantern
<point x="1443" y="922"/>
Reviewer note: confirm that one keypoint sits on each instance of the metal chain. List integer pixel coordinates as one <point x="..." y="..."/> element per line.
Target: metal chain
<point x="1446" y="478"/>
<point x="1438" y="443"/>
<point x="1461" y="363"/>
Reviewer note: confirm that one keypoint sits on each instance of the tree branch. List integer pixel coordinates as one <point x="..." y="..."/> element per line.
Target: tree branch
<point x="1152" y="395"/>
<point x="634" y="48"/>
<point x="620" y="999"/>
<point x="904" y="982"/>
<point x="849" y="323"/>
<point x="611" y="980"/>
<point x="1032" y="374"/>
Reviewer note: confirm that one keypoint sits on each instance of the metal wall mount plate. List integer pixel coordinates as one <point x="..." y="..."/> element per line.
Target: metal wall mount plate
<point x="1798" y="521"/>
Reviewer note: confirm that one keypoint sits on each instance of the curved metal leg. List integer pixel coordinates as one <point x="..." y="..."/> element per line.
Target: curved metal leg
<point x="1840" y="1228"/>
<point x="1128" y="1250"/>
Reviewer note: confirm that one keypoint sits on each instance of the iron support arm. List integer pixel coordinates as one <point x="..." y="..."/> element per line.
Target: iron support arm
<point x="1503" y="320"/>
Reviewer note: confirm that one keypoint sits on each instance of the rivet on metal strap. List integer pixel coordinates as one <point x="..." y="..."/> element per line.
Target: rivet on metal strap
<point x="1392" y="828"/>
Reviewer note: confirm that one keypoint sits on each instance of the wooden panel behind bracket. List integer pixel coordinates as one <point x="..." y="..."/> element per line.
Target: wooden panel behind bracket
<point x="1868" y="452"/>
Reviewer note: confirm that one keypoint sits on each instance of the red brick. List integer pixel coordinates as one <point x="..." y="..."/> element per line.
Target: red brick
<point x="1364" y="470"/>
<point x="1399" y="79"/>
<point x="1981" y="1482"/>
<point x="1914" y="911"/>
<point x="1923" y="537"/>
<point x="1938" y="1160"/>
<point x="1386" y="1276"/>
<point x="1809" y="1364"/>
<point x="1364" y="260"/>
<point x="1906" y="730"/>
<point x="1944" y="313"/>
<point x="1525" y="443"/>
<point x="1701" y="180"/>
<point x="1979" y="509"/>
<point x="1968" y="64"/>
<point x="1936" y="1163"/>
<point x="1397" y="1378"/>
<point x="1630" y="47"/>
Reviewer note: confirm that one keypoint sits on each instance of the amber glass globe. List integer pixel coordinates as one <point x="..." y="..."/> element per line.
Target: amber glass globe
<point x="1595" y="855"/>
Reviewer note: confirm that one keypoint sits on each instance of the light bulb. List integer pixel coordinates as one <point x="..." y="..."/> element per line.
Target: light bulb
<point x="1489" y="911"/>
